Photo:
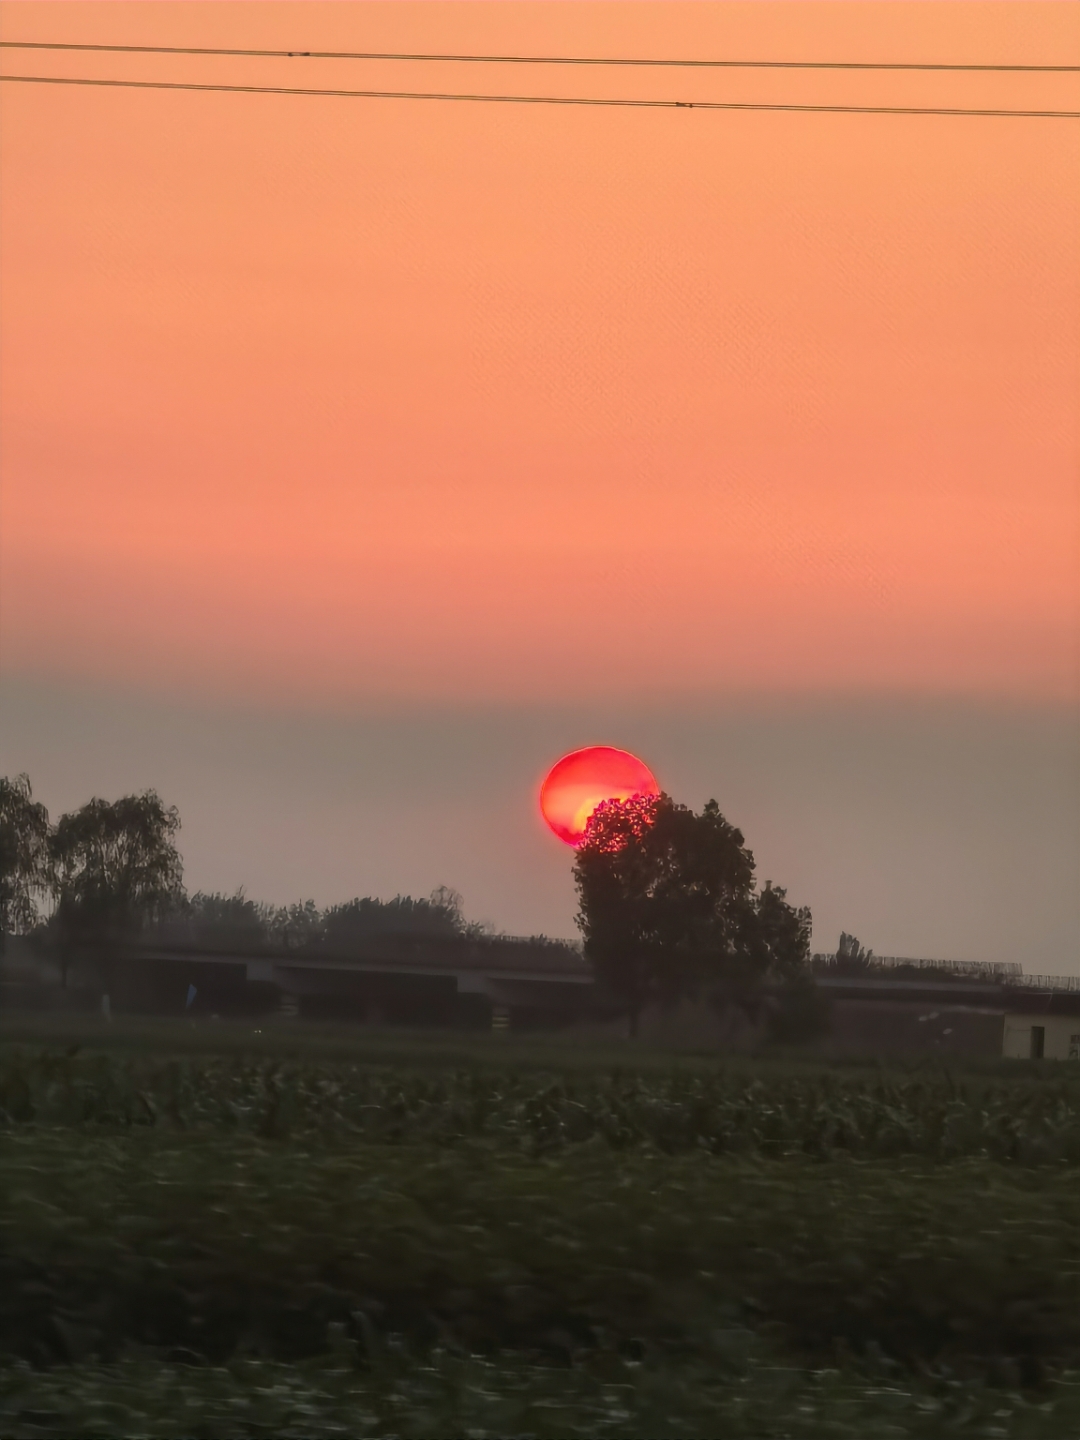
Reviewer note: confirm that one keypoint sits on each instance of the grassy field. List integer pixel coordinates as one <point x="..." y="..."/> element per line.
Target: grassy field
<point x="215" y="1231"/>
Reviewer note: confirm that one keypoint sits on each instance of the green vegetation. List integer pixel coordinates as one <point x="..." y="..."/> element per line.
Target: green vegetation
<point x="214" y="1242"/>
<point x="813" y="1113"/>
<point x="449" y="1395"/>
<point x="416" y="1241"/>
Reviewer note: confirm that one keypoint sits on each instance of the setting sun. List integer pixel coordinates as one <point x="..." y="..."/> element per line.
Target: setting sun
<point x="582" y="780"/>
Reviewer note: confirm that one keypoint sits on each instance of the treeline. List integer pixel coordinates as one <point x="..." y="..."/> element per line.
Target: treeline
<point x="235" y="923"/>
<point x="110" y="872"/>
<point x="669" y="907"/>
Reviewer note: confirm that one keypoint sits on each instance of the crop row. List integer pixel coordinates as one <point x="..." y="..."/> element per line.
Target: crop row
<point x="817" y="1115"/>
<point x="216" y="1245"/>
<point x="500" y="1396"/>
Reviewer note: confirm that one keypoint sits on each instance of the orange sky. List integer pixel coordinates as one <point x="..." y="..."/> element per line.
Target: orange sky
<point x="379" y="400"/>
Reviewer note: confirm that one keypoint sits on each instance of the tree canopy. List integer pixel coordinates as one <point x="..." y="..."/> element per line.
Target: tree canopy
<point x="439" y="916"/>
<point x="24" y="855"/>
<point x="669" y="908"/>
<point x="227" y="922"/>
<point x="236" y="924"/>
<point x="116" y="866"/>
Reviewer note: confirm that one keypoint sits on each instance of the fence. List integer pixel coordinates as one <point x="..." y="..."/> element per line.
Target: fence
<point x="994" y="969"/>
<point x="1006" y="972"/>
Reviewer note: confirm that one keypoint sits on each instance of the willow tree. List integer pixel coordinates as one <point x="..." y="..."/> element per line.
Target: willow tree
<point x="24" y="855"/>
<point x="116" y="867"/>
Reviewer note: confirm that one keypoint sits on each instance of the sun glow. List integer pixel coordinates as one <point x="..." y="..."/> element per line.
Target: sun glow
<point x="582" y="780"/>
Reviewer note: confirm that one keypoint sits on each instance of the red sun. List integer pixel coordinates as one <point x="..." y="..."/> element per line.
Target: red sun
<point x="580" y="781"/>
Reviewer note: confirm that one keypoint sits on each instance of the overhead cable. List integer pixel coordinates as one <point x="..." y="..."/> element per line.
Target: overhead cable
<point x="539" y="59"/>
<point x="544" y="99"/>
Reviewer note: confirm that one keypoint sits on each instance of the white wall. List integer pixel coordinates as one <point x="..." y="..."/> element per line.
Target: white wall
<point x="1062" y="1036"/>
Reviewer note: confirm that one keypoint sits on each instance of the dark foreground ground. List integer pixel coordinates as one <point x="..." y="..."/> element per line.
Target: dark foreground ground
<point x="212" y="1231"/>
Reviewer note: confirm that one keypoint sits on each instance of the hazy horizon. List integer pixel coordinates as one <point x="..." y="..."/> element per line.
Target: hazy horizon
<point x="360" y="457"/>
<point x="893" y="819"/>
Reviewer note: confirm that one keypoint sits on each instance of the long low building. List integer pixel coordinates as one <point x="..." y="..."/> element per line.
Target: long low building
<point x="1044" y="1026"/>
<point x="887" y="1007"/>
<point x="945" y="1015"/>
<point x="391" y="979"/>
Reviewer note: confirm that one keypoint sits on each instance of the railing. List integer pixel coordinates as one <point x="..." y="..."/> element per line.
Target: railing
<point x="997" y="969"/>
<point x="1006" y="972"/>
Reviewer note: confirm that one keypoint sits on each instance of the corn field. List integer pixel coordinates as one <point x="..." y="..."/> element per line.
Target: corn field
<point x="931" y="1116"/>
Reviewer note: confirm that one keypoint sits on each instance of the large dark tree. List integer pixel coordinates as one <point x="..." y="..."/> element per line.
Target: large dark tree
<point x="668" y="909"/>
<point x="116" y="867"/>
<point x="24" y="855"/>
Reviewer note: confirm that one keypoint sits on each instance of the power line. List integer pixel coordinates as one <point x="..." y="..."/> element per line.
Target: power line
<point x="544" y="99"/>
<point x="537" y="59"/>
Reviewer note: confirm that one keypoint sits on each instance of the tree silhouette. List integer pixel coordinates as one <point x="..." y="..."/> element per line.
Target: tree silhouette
<point x="232" y="923"/>
<point x="298" y="926"/>
<point x="850" y="955"/>
<point x="116" y="867"/>
<point x="668" y="909"/>
<point x="24" y="855"/>
<point x="364" y="918"/>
